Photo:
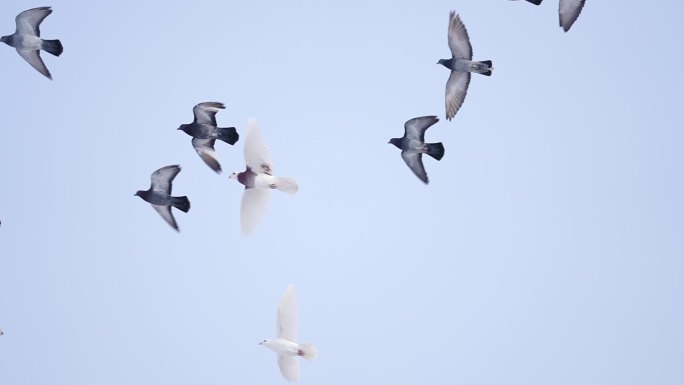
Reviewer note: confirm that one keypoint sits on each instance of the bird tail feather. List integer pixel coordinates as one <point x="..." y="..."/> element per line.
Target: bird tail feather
<point x="309" y="351"/>
<point x="53" y="46"/>
<point x="288" y="185"/>
<point x="488" y="66"/>
<point x="228" y="135"/>
<point x="436" y="150"/>
<point x="181" y="203"/>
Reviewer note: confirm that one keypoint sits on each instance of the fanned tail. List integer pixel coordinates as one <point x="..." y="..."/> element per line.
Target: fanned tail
<point x="308" y="351"/>
<point x="436" y="150"/>
<point x="181" y="203"/>
<point x="53" y="46"/>
<point x="288" y="185"/>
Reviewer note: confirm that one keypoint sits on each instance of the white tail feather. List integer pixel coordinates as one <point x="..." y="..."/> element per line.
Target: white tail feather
<point x="288" y="185"/>
<point x="310" y="351"/>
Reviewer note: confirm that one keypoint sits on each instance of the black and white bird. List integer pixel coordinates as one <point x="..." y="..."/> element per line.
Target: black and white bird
<point x="286" y="345"/>
<point x="204" y="132"/>
<point x="413" y="145"/>
<point x="461" y="65"/>
<point x="568" y="11"/>
<point x="26" y="39"/>
<point x="258" y="180"/>
<point x="159" y="194"/>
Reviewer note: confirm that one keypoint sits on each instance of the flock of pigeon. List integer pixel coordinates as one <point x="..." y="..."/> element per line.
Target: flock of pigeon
<point x="258" y="177"/>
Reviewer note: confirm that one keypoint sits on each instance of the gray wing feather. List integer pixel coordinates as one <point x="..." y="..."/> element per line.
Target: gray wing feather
<point x="459" y="42"/>
<point x="33" y="58"/>
<point x="162" y="178"/>
<point x="414" y="129"/>
<point x="28" y="22"/>
<point x="415" y="162"/>
<point x="456" y="90"/>
<point x="205" y="113"/>
<point x="205" y="149"/>
<point x="165" y="212"/>
<point x="568" y="12"/>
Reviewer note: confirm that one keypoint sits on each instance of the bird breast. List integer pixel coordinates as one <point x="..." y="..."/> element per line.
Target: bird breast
<point x="27" y="42"/>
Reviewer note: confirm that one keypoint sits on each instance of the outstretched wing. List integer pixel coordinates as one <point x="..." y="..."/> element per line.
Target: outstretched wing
<point x="257" y="155"/>
<point x="459" y="42"/>
<point x="205" y="113"/>
<point x="414" y="129"/>
<point x="33" y="58"/>
<point x="28" y="22"/>
<point x="162" y="178"/>
<point x="456" y="90"/>
<point x="253" y="208"/>
<point x="289" y="367"/>
<point x="165" y="212"/>
<point x="205" y="149"/>
<point x="415" y="162"/>
<point x="568" y="12"/>
<point x="288" y="315"/>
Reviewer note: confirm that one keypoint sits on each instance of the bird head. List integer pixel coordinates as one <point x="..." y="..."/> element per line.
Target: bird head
<point x="265" y="342"/>
<point x="182" y="127"/>
<point x="5" y="39"/>
<point x="138" y="193"/>
<point x="233" y="176"/>
<point x="444" y="62"/>
<point x="396" y="142"/>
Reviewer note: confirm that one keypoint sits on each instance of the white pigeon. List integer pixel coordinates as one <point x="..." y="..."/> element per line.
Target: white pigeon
<point x="285" y="345"/>
<point x="258" y="179"/>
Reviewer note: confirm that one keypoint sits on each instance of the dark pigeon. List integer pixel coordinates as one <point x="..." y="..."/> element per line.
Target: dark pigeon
<point x="568" y="11"/>
<point x="159" y="194"/>
<point x="204" y="132"/>
<point x="26" y="39"/>
<point x="461" y="65"/>
<point x="413" y="145"/>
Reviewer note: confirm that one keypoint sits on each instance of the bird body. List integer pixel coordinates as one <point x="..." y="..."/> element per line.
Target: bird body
<point x="461" y="65"/>
<point x="258" y="180"/>
<point x="285" y="345"/>
<point x="159" y="194"/>
<point x="413" y="146"/>
<point x="568" y="11"/>
<point x="205" y="131"/>
<point x="27" y="41"/>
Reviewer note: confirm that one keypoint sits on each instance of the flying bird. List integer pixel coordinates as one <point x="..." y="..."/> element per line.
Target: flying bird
<point x="258" y="180"/>
<point x="568" y="11"/>
<point x="204" y="132"/>
<point x="461" y="65"/>
<point x="26" y="39"/>
<point x="159" y="194"/>
<point x="286" y="344"/>
<point x="413" y="145"/>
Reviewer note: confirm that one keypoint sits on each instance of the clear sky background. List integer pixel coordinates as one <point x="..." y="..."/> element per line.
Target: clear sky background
<point x="547" y="248"/>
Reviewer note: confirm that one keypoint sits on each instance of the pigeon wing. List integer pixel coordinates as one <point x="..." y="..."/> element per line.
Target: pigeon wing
<point x="289" y="367"/>
<point x="162" y="178"/>
<point x="205" y="149"/>
<point x="414" y="129"/>
<point x="253" y="208"/>
<point x="28" y="22"/>
<point x="568" y="12"/>
<point x="456" y="90"/>
<point x="288" y="315"/>
<point x="165" y="212"/>
<point x="257" y="155"/>
<point x="415" y="162"/>
<point x="205" y="113"/>
<point x="459" y="42"/>
<point x="33" y="58"/>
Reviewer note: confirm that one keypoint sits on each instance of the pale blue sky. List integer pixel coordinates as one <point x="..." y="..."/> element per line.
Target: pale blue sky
<point x="547" y="248"/>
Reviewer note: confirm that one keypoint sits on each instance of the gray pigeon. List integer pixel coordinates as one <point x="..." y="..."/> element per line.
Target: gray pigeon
<point x="461" y="65"/>
<point x="26" y="39"/>
<point x="568" y="11"/>
<point x="159" y="194"/>
<point x="204" y="133"/>
<point x="413" y="145"/>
